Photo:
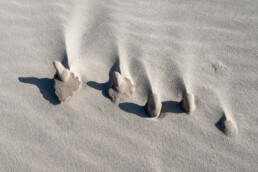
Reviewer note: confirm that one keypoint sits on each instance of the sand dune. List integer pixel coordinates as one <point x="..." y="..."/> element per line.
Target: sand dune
<point x="190" y="65"/>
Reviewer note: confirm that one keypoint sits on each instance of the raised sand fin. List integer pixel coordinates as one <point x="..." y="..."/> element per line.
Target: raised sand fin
<point x="229" y="127"/>
<point x="67" y="84"/>
<point x="62" y="73"/>
<point x="117" y="81"/>
<point x="153" y="106"/>
<point x="188" y="103"/>
<point x="121" y="88"/>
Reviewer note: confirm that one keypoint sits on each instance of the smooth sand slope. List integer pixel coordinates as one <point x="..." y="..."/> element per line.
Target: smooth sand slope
<point x="193" y="66"/>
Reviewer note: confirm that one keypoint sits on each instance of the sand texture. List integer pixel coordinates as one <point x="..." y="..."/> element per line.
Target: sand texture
<point x="192" y="65"/>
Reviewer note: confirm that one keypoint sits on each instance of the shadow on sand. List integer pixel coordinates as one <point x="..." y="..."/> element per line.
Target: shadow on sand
<point x="167" y="107"/>
<point x="103" y="87"/>
<point x="46" y="87"/>
<point x="218" y="124"/>
<point x="134" y="109"/>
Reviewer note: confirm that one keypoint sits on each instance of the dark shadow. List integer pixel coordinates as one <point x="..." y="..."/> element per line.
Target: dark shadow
<point x="65" y="60"/>
<point x="134" y="109"/>
<point x="46" y="87"/>
<point x="172" y="107"/>
<point x="220" y="123"/>
<point x="168" y="106"/>
<point x="103" y="87"/>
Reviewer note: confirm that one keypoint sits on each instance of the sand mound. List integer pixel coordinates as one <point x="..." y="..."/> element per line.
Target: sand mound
<point x="153" y="106"/>
<point x="67" y="84"/>
<point x="188" y="103"/>
<point x="229" y="127"/>
<point x="121" y="88"/>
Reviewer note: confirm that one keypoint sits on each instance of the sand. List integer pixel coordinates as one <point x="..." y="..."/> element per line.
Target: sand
<point x="67" y="84"/>
<point x="153" y="106"/>
<point x="188" y="103"/>
<point x="121" y="88"/>
<point x="207" y="49"/>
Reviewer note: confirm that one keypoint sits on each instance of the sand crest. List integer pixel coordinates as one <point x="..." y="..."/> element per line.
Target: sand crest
<point x="121" y="88"/>
<point x="67" y="84"/>
<point x="188" y="103"/>
<point x="153" y="106"/>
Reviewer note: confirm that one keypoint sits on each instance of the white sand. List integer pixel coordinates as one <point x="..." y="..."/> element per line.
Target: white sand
<point x="207" y="48"/>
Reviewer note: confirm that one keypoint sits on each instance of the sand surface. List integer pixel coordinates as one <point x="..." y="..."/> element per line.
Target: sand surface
<point x="206" y="48"/>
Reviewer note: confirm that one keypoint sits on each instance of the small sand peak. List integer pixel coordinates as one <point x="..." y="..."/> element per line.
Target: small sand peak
<point x="153" y="106"/>
<point x="219" y="67"/>
<point x="117" y="80"/>
<point x="229" y="128"/>
<point x="121" y="88"/>
<point x="67" y="83"/>
<point x="62" y="73"/>
<point x="188" y="103"/>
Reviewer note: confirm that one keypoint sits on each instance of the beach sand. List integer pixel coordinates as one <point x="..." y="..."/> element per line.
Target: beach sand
<point x="197" y="60"/>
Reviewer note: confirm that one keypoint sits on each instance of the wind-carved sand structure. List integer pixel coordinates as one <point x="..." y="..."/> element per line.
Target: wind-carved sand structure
<point x="121" y="88"/>
<point x="188" y="103"/>
<point x="153" y="106"/>
<point x="66" y="83"/>
<point x="229" y="126"/>
<point x="191" y="103"/>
